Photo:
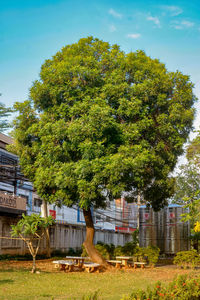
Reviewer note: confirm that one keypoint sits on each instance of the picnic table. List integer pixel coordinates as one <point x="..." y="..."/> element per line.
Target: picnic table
<point x="124" y="260"/>
<point x="117" y="263"/>
<point x="64" y="265"/>
<point x="139" y="263"/>
<point x="91" y="267"/>
<point x="78" y="260"/>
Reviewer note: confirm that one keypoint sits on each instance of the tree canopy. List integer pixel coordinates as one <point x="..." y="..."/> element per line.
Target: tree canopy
<point x="100" y="122"/>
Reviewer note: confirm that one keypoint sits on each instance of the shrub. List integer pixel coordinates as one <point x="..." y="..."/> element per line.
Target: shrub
<point x="181" y="288"/>
<point x="110" y="248"/>
<point x="118" y="251"/>
<point x="152" y="254"/>
<point x="100" y="247"/>
<point x="187" y="259"/>
<point x="102" y="250"/>
<point x="139" y="254"/>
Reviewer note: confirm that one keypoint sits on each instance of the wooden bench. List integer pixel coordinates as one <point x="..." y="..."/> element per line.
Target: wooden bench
<point x="91" y="267"/>
<point x="117" y="263"/>
<point x="138" y="263"/>
<point x="64" y="265"/>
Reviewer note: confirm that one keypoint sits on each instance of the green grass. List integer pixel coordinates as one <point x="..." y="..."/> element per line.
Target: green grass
<point x="22" y="285"/>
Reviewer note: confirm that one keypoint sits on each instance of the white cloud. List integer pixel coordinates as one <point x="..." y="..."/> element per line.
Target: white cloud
<point x="112" y="28"/>
<point x="173" y="10"/>
<point x="187" y="24"/>
<point x="115" y="14"/>
<point x="133" y="35"/>
<point x="182" y="24"/>
<point x="155" y="20"/>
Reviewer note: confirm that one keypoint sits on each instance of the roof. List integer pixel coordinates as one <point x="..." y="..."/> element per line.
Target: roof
<point x="5" y="140"/>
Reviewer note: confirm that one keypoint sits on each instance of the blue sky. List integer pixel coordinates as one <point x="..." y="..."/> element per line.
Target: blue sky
<point x="32" y="31"/>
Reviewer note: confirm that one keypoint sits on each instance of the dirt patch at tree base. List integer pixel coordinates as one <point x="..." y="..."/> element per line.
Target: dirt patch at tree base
<point x="167" y="272"/>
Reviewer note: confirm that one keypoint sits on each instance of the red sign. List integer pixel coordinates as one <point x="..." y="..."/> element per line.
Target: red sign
<point x="146" y="216"/>
<point x="52" y="213"/>
<point x="124" y="229"/>
<point x="172" y="215"/>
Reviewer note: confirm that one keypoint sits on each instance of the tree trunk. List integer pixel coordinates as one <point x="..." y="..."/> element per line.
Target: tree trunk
<point x="45" y="214"/>
<point x="34" y="265"/>
<point x="88" y="243"/>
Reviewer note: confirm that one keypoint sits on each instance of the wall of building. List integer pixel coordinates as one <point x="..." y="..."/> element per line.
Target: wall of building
<point x="62" y="237"/>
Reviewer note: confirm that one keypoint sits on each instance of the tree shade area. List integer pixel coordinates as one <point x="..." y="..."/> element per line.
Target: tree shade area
<point x="100" y="122"/>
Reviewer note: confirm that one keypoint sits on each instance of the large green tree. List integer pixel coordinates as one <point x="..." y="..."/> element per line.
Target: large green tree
<point x="100" y="122"/>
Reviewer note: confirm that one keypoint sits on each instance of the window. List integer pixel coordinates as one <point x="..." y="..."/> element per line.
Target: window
<point x="37" y="202"/>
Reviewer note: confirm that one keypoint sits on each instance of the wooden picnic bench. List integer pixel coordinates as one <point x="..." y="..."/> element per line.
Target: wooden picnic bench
<point x="91" y="267"/>
<point x="64" y="265"/>
<point x="117" y="263"/>
<point x="139" y="263"/>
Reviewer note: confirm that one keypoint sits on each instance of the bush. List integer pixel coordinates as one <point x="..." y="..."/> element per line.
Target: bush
<point x="181" y="288"/>
<point x="152" y="254"/>
<point x="187" y="259"/>
<point x="101" y="247"/>
<point x="103" y="251"/>
<point x="139" y="254"/>
<point x="118" y="251"/>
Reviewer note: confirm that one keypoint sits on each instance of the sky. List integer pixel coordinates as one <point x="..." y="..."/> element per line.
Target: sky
<point x="34" y="30"/>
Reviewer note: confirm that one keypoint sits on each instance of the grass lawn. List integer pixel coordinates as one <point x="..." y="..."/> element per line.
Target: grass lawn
<point x="16" y="281"/>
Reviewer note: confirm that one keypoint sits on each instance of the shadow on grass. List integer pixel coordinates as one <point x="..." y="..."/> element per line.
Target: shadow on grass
<point x="3" y="281"/>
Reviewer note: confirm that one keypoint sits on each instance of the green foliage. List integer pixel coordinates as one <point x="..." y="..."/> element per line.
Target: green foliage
<point x="187" y="259"/>
<point x="128" y="249"/>
<point x="31" y="230"/>
<point x="187" y="191"/>
<point x="101" y="120"/>
<point x="4" y="113"/>
<point x="31" y="226"/>
<point x="104" y="249"/>
<point x="152" y="254"/>
<point x="182" y="288"/>
<point x="135" y="237"/>
<point x="149" y="254"/>
<point x="92" y="296"/>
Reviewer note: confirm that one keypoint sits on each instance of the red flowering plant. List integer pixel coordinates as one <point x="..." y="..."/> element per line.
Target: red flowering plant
<point x="181" y="288"/>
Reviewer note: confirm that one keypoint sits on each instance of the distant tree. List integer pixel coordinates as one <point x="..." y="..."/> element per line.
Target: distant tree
<point x="4" y="113"/>
<point x="193" y="151"/>
<point x="31" y="229"/>
<point x="100" y="122"/>
<point x="187" y="189"/>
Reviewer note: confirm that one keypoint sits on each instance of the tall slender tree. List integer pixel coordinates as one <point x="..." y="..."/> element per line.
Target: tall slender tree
<point x="100" y="122"/>
<point x="4" y="114"/>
